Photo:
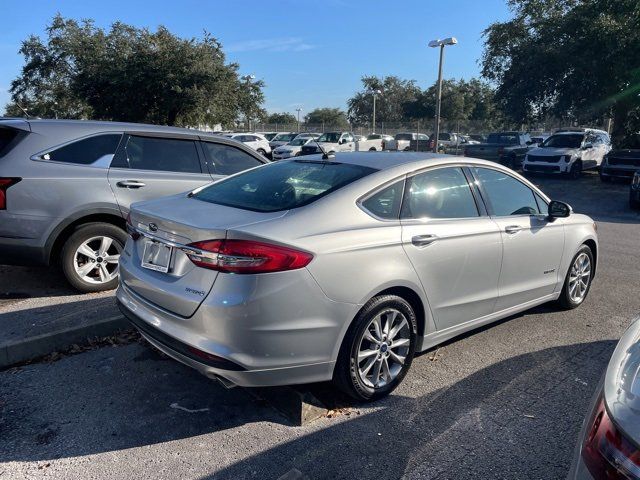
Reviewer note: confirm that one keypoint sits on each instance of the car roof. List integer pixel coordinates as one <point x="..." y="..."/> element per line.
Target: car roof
<point x="389" y="160"/>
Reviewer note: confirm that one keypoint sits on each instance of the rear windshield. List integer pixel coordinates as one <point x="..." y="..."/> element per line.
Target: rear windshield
<point x="282" y="185"/>
<point x="503" y="138"/>
<point x="6" y="137"/>
<point x="284" y="137"/>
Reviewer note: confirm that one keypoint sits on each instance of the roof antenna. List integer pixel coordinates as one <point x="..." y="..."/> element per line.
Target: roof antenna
<point x="26" y="114"/>
<point x="325" y="155"/>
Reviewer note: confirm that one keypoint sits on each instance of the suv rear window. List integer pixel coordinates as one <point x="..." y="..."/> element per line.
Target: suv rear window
<point x="6" y="137"/>
<point x="282" y="185"/>
<point x="86" y="151"/>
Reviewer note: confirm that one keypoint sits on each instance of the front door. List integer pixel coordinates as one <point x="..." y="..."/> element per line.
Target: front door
<point x="532" y="244"/>
<point x="147" y="167"/>
<point x="455" y="249"/>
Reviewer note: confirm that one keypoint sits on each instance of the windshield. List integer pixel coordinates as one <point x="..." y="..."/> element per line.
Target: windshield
<point x="631" y="142"/>
<point x="404" y="136"/>
<point x="298" y="142"/>
<point x="330" y="137"/>
<point x="269" y="136"/>
<point x="564" y="141"/>
<point x="503" y="138"/>
<point x="284" y="137"/>
<point x="282" y="185"/>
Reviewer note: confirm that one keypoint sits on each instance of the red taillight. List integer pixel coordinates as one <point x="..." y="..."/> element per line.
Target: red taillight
<point x="607" y="453"/>
<point x="247" y="256"/>
<point x="130" y="228"/>
<point x="5" y="183"/>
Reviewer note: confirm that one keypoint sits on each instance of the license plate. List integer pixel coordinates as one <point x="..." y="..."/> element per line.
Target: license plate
<point x="156" y="256"/>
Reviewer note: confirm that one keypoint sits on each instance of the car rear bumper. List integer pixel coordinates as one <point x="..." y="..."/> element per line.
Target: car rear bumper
<point x="275" y="330"/>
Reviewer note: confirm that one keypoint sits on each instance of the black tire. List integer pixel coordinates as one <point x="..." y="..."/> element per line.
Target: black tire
<point x="262" y="152"/>
<point x="576" y="170"/>
<point x="346" y="376"/>
<point x="80" y="236"/>
<point x="373" y="149"/>
<point x="511" y="162"/>
<point x="565" y="301"/>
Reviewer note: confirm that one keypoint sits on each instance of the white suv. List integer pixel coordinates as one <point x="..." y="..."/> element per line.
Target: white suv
<point x="569" y="152"/>
<point x="255" y="141"/>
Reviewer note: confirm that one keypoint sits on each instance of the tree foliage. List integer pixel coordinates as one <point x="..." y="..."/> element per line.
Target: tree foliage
<point x="576" y="59"/>
<point x="131" y="74"/>
<point x="281" y="118"/>
<point x="394" y="94"/>
<point x="329" y="116"/>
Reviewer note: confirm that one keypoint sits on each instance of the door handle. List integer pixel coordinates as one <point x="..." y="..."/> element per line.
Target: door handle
<point x="511" y="229"/>
<point x="423" y="240"/>
<point x="130" y="184"/>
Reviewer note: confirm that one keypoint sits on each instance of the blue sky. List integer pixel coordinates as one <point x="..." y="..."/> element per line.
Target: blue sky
<point x="310" y="54"/>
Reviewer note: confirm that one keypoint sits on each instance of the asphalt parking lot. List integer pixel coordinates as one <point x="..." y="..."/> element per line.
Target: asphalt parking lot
<point x="503" y="402"/>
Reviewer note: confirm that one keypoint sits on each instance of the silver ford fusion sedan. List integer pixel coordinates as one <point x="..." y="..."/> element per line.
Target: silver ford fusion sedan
<point x="341" y="269"/>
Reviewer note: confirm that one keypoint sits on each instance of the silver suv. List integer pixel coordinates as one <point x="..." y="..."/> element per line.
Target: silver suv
<point x="66" y="187"/>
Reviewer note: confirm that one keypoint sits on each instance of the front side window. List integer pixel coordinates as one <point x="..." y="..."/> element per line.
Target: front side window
<point x="228" y="160"/>
<point x="507" y="195"/>
<point x="439" y="193"/>
<point x="282" y="185"/>
<point x="87" y="151"/>
<point x="329" y="137"/>
<point x="564" y="141"/>
<point x="163" y="154"/>
<point x="386" y="203"/>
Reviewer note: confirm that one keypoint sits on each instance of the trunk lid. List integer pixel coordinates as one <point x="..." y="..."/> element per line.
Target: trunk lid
<point x="179" y="220"/>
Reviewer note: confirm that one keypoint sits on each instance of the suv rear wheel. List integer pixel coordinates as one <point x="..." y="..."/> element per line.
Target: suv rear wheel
<point x="90" y="257"/>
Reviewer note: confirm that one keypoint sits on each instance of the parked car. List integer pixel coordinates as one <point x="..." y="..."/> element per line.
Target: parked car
<point x="608" y="441"/>
<point x="506" y="148"/>
<point x="307" y="270"/>
<point x="66" y="187"/>
<point x="372" y="143"/>
<point x="634" y="191"/>
<point x="282" y="139"/>
<point x="254" y="141"/>
<point x="331" y="142"/>
<point x="449" y="143"/>
<point x="291" y="149"/>
<point x="268" y="135"/>
<point x="569" y="152"/>
<point x="623" y="161"/>
<point x="402" y="141"/>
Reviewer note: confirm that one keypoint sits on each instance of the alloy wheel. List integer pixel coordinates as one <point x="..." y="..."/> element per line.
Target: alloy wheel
<point x="96" y="260"/>
<point x="579" y="278"/>
<point x="383" y="348"/>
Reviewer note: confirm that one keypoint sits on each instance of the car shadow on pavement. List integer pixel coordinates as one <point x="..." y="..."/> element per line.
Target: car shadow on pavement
<point x="505" y="418"/>
<point x="518" y="418"/>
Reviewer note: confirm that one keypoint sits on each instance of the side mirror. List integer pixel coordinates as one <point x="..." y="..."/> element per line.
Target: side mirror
<point x="587" y="146"/>
<point x="342" y="141"/>
<point x="559" y="209"/>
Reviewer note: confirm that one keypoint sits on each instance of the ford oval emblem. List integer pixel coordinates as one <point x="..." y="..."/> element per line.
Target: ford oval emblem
<point x="153" y="227"/>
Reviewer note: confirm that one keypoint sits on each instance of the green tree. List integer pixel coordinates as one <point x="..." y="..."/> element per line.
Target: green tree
<point x="281" y="118"/>
<point x="394" y="94"/>
<point x="575" y="59"/>
<point x="330" y="117"/>
<point x="131" y="74"/>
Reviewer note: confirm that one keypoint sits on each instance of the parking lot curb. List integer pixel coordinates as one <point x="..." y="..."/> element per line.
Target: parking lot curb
<point x="14" y="353"/>
<point x="299" y="407"/>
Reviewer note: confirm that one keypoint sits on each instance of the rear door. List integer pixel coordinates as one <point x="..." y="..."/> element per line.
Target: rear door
<point x="147" y="167"/>
<point x="532" y="244"/>
<point x="454" y="246"/>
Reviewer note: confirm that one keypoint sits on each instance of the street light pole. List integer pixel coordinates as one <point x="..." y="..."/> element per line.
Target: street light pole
<point x="375" y="93"/>
<point x="248" y="79"/>
<point x="441" y="44"/>
<point x="298" y="110"/>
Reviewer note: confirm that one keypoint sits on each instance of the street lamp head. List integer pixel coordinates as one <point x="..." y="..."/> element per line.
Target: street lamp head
<point x="440" y="43"/>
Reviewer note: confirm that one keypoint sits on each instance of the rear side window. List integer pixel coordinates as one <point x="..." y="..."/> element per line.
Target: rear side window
<point x="162" y="154"/>
<point x="439" y="193"/>
<point x="88" y="151"/>
<point x="282" y="185"/>
<point x="228" y="160"/>
<point x="507" y="195"/>
<point x="386" y="203"/>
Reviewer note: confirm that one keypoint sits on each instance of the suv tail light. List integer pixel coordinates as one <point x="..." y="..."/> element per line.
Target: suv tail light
<point x="5" y="183"/>
<point x="246" y="256"/>
<point x="606" y="451"/>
